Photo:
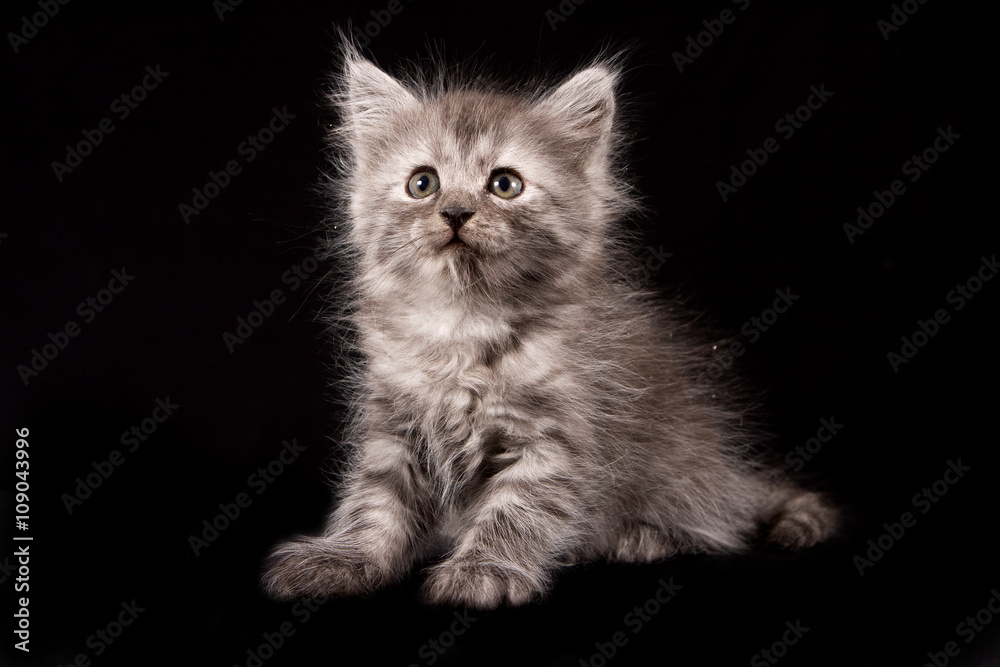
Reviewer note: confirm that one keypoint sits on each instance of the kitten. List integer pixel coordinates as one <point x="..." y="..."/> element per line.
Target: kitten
<point x="519" y="407"/>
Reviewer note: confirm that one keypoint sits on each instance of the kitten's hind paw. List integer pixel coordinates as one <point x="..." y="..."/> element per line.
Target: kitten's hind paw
<point x="315" y="566"/>
<point x="802" y="521"/>
<point x="479" y="585"/>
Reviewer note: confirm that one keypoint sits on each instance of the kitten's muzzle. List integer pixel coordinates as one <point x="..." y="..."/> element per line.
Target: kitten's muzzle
<point x="456" y="216"/>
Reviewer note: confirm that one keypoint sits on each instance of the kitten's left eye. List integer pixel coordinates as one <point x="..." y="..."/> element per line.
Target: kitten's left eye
<point x="423" y="184"/>
<point x="505" y="185"/>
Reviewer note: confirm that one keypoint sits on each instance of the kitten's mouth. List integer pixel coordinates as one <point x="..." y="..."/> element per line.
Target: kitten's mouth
<point x="455" y="244"/>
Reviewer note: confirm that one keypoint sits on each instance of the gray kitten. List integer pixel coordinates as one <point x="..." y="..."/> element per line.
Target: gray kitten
<point x="519" y="406"/>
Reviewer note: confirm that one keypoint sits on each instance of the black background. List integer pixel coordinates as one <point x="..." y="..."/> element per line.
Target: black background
<point x="162" y="335"/>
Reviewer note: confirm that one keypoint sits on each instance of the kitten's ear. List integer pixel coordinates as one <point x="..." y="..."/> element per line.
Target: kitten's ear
<point x="586" y="102"/>
<point x="369" y="94"/>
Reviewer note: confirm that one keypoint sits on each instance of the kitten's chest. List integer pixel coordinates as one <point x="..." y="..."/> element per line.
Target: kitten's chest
<point x="448" y="371"/>
<point x="439" y="384"/>
<point x="453" y="384"/>
<point x="434" y="359"/>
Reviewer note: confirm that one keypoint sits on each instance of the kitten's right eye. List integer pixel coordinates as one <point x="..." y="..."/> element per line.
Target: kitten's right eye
<point x="423" y="184"/>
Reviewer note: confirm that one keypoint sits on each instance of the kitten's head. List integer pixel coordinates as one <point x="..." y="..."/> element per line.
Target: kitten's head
<point x="460" y="189"/>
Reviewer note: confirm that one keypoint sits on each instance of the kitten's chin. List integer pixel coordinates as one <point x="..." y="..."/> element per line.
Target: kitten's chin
<point x="458" y="256"/>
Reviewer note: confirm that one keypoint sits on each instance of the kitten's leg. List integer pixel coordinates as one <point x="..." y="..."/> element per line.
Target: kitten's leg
<point x="641" y="542"/>
<point x="797" y="519"/>
<point x="372" y="538"/>
<point x="524" y="518"/>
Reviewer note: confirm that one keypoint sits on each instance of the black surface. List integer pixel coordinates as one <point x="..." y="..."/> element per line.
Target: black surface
<point x="162" y="336"/>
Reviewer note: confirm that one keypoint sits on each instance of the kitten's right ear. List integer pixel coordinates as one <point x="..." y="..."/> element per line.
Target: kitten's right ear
<point x="585" y="104"/>
<point x="369" y="94"/>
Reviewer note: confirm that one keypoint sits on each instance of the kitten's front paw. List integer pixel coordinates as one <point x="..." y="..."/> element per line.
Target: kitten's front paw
<point x="480" y="585"/>
<point x="315" y="566"/>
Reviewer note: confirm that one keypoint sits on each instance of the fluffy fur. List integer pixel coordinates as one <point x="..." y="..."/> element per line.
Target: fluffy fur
<point x="519" y="405"/>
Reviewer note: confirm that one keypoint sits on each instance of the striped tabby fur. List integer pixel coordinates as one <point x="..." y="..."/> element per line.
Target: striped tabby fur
<point x="519" y="406"/>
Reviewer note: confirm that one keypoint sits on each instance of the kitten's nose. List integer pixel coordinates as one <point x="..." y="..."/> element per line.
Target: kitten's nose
<point x="456" y="216"/>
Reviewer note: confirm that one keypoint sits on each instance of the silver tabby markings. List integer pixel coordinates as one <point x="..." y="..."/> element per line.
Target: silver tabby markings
<point x="519" y="407"/>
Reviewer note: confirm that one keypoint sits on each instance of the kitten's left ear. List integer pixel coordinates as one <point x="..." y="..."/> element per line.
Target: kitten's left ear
<point x="586" y="102"/>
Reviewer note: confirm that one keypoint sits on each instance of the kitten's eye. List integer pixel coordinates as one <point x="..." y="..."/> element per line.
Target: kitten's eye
<point x="505" y="185"/>
<point x="423" y="184"/>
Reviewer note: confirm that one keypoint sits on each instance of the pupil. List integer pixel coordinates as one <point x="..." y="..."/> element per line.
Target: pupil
<point x="422" y="183"/>
<point x="503" y="183"/>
